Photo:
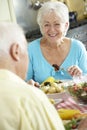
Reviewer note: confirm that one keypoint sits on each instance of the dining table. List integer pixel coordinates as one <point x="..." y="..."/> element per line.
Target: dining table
<point x="66" y="101"/>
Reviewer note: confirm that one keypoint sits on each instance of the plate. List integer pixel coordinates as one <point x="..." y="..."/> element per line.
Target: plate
<point x="58" y="95"/>
<point x="68" y="102"/>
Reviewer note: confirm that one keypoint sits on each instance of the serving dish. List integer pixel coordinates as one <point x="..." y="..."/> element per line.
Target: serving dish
<point x="79" y="92"/>
<point x="69" y="104"/>
<point x="51" y="85"/>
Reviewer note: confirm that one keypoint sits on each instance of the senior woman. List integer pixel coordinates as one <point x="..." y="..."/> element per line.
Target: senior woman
<point x="54" y="54"/>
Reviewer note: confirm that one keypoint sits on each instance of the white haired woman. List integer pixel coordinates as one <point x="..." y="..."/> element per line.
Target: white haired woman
<point x="54" y="54"/>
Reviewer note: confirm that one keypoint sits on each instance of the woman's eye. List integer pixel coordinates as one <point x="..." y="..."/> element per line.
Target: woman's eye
<point x="57" y="24"/>
<point x="46" y="25"/>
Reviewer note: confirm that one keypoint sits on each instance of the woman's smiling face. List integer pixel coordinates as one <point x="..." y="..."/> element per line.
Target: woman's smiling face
<point x="53" y="27"/>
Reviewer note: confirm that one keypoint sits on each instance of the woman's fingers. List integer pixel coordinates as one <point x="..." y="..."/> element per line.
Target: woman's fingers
<point x="75" y="71"/>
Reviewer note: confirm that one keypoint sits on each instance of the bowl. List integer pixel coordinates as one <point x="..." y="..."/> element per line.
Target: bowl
<point x="79" y="92"/>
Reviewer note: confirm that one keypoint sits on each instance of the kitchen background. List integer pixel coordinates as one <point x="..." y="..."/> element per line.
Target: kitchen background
<point x="24" y="12"/>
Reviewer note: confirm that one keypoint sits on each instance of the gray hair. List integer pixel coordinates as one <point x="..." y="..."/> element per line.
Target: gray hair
<point x="10" y="33"/>
<point x="58" y="7"/>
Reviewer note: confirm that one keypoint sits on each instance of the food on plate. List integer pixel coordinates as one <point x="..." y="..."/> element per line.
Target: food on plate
<point x="72" y="124"/>
<point x="81" y="115"/>
<point x="77" y="123"/>
<point x="68" y="114"/>
<point x="48" y="80"/>
<point x="52" y="100"/>
<point x="51" y="85"/>
<point x="79" y="91"/>
<point x="56" y="101"/>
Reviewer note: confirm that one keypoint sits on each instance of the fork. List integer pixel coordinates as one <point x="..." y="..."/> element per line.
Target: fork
<point x="64" y="70"/>
<point x="76" y="79"/>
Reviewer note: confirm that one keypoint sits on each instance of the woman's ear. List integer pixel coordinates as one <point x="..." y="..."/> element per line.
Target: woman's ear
<point x="66" y="28"/>
<point x="67" y="25"/>
<point x="15" y="51"/>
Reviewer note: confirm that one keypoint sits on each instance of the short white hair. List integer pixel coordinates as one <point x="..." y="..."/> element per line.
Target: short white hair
<point x="58" y="7"/>
<point x="10" y="33"/>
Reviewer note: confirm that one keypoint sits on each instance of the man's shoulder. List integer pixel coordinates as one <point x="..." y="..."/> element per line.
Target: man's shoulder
<point x="12" y="86"/>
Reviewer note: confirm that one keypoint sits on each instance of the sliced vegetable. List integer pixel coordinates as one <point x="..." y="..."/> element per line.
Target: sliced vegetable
<point x="68" y="114"/>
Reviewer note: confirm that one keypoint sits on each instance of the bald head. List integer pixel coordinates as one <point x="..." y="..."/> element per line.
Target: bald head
<point x="13" y="49"/>
<point x="10" y="33"/>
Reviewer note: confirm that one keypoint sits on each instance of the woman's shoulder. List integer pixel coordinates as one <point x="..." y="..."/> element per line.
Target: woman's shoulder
<point x="77" y="43"/>
<point x="35" y="42"/>
<point x="34" y="46"/>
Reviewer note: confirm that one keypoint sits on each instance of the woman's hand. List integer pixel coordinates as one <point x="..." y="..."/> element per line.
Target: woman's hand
<point x="75" y="71"/>
<point x="32" y="82"/>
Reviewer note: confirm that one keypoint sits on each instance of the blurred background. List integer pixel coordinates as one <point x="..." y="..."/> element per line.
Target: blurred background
<point x="24" y="12"/>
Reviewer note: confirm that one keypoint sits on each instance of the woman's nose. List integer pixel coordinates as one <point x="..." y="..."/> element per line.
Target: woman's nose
<point x="52" y="27"/>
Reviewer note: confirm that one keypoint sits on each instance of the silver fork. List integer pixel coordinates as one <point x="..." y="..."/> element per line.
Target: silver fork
<point x="65" y="70"/>
<point x="76" y="79"/>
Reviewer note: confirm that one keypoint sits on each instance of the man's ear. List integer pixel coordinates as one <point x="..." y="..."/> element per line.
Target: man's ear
<point x="15" y="51"/>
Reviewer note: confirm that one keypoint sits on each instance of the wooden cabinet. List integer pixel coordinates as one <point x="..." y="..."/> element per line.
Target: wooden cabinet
<point x="7" y="11"/>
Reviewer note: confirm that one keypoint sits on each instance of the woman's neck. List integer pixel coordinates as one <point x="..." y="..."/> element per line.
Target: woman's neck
<point x="55" y="45"/>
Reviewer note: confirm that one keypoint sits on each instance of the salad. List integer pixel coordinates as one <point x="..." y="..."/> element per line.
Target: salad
<point x="79" y="91"/>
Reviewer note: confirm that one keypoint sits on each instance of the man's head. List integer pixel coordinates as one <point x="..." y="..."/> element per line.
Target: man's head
<point x="13" y="49"/>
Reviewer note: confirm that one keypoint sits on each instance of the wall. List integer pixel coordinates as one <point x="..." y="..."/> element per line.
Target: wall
<point x="77" y="5"/>
<point x="7" y="11"/>
<point x="26" y="15"/>
<point x="73" y="5"/>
